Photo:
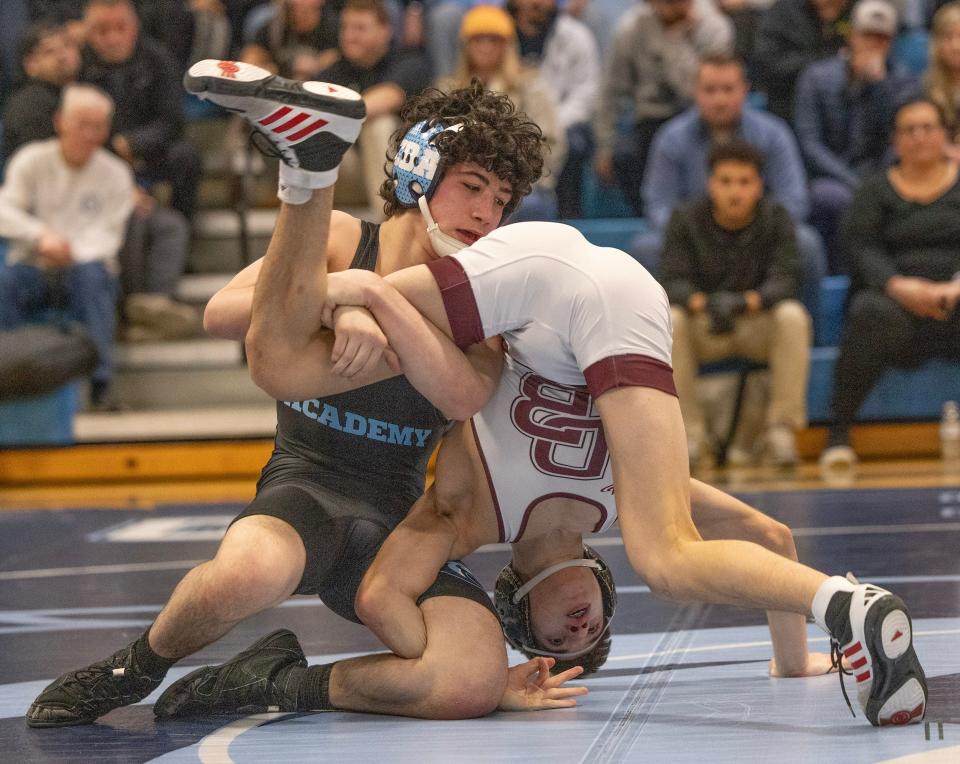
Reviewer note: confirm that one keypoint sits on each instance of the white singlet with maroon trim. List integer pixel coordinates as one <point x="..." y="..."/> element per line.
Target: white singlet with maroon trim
<point x="578" y="320"/>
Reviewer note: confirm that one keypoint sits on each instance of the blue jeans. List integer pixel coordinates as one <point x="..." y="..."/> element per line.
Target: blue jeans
<point x="829" y="201"/>
<point x="570" y="180"/>
<point x="85" y="293"/>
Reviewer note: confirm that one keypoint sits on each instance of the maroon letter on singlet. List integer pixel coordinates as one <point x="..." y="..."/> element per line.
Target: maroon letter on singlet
<point x="568" y="439"/>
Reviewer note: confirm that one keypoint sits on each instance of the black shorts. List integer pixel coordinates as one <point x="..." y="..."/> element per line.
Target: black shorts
<point x="341" y="537"/>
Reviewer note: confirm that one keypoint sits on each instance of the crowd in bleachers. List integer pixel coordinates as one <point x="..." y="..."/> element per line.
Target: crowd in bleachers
<point x="766" y="144"/>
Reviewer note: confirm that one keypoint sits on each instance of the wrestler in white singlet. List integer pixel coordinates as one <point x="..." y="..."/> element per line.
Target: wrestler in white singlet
<point x="610" y="321"/>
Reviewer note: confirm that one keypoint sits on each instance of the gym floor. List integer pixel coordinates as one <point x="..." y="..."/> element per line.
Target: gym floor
<point x="83" y="572"/>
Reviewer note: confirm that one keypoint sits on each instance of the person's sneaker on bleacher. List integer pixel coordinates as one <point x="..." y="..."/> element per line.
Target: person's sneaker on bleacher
<point x="310" y="125"/>
<point x="871" y="628"/>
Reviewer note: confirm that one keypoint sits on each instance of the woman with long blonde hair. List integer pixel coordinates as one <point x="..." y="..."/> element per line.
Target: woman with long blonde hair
<point x="942" y="82"/>
<point x="489" y="52"/>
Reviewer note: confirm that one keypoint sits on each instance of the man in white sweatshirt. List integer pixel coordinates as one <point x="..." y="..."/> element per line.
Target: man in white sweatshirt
<point x="64" y="206"/>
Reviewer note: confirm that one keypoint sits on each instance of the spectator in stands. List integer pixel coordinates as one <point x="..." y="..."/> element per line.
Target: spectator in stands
<point x="142" y="78"/>
<point x="241" y="15"/>
<point x="942" y="80"/>
<point x="843" y="115"/>
<point x="793" y="34"/>
<point x="903" y="239"/>
<point x="488" y="52"/>
<point x="745" y="15"/>
<point x="64" y="205"/>
<point x="50" y="60"/>
<point x="56" y="11"/>
<point x="152" y="261"/>
<point x="384" y="78"/>
<point x="191" y="30"/>
<point x="677" y="167"/>
<point x="653" y="65"/>
<point x="564" y="52"/>
<point x="300" y="41"/>
<point x="732" y="273"/>
<point x="156" y="244"/>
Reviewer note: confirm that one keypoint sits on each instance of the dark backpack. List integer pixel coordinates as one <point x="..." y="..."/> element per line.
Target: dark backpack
<point x="38" y="359"/>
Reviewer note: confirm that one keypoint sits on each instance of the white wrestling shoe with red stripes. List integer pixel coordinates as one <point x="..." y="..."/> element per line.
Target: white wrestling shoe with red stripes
<point x="310" y="125"/>
<point x="871" y="628"/>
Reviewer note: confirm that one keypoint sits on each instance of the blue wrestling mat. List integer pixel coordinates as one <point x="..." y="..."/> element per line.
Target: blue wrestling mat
<point x="683" y="683"/>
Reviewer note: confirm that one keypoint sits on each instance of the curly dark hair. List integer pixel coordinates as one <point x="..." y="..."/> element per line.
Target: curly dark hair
<point x="495" y="136"/>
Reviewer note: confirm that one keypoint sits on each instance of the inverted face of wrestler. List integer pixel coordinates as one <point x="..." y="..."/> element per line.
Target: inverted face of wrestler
<point x="566" y="610"/>
<point x="469" y="202"/>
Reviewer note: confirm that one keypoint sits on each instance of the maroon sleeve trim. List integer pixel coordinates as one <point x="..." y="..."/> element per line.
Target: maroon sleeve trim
<point x="629" y="371"/>
<point x="458" y="300"/>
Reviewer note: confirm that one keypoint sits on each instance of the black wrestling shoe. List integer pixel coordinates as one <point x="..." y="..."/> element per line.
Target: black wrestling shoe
<point x="245" y="684"/>
<point x="872" y="629"/>
<point x="310" y="125"/>
<point x="82" y="696"/>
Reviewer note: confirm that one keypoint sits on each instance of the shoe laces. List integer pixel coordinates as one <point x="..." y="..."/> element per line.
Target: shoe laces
<point x="836" y="660"/>
<point x="95" y="679"/>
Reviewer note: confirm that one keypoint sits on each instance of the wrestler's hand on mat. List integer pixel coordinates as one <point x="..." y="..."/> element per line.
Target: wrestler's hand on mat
<point x="531" y="688"/>
<point x="818" y="664"/>
<point x="360" y="342"/>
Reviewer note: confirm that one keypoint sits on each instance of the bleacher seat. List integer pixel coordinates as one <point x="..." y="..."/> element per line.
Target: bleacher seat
<point x="901" y="394"/>
<point x="600" y="200"/>
<point x="610" y="232"/>
<point x="46" y="420"/>
<point x="828" y="322"/>
<point x="43" y="420"/>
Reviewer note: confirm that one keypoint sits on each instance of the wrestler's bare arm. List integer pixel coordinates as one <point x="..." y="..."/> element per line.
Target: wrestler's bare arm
<point x="456" y="383"/>
<point x="227" y="314"/>
<point x="408" y="307"/>
<point x="405" y="567"/>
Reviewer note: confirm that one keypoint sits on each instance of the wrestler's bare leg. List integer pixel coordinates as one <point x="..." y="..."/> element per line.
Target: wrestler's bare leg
<point x="462" y="673"/>
<point x="258" y="565"/>
<point x="718" y="515"/>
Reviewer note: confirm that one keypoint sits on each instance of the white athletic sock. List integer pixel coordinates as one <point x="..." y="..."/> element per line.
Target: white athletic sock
<point x="823" y="596"/>
<point x="296" y="186"/>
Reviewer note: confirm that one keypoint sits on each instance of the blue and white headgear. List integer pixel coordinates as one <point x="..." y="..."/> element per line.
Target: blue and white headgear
<point x="418" y="165"/>
<point x="417" y="169"/>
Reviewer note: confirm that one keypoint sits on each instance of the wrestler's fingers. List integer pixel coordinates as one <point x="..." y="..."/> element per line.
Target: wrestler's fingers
<point x="559" y="703"/>
<point x="393" y="361"/>
<point x="565" y="676"/>
<point x="360" y="360"/>
<point x="339" y="345"/>
<point x="565" y="692"/>
<point x="543" y="671"/>
<point x="350" y="349"/>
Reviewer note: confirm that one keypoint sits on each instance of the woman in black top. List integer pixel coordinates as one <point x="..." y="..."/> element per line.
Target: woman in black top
<point x="903" y="240"/>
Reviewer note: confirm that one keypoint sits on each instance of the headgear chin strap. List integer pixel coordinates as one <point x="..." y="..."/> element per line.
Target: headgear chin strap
<point x="443" y="243"/>
<point x="524" y="590"/>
